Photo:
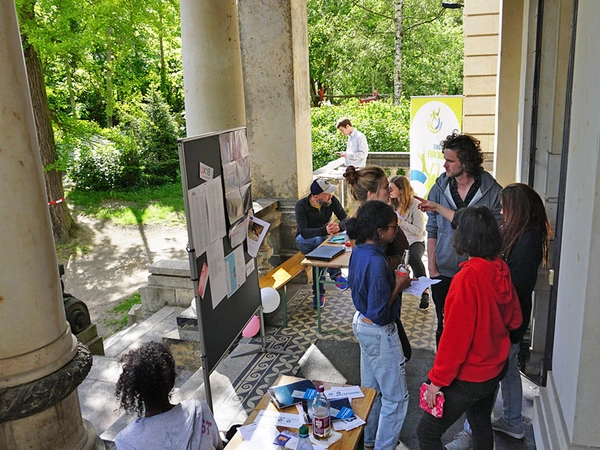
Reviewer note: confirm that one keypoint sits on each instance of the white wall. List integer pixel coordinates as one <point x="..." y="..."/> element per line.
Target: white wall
<point x="577" y="336"/>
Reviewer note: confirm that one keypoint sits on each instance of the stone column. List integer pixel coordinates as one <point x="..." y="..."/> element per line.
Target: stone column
<point x="212" y="66"/>
<point x="40" y="362"/>
<point x="274" y="42"/>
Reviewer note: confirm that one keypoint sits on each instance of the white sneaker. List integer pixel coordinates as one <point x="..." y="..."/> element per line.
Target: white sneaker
<point x="462" y="441"/>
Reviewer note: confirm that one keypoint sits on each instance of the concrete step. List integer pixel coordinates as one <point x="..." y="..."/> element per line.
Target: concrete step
<point x="97" y="393"/>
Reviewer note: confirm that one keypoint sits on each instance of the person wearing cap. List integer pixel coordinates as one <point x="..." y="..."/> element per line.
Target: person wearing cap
<point x="313" y="220"/>
<point x="357" y="148"/>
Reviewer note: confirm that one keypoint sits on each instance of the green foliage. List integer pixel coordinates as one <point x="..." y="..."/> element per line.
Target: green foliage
<point x="150" y="205"/>
<point x="159" y="133"/>
<point x="385" y="125"/>
<point x="141" y="151"/>
<point x="351" y="47"/>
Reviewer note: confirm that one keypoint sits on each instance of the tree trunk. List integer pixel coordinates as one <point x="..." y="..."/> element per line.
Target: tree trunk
<point x="398" y="52"/>
<point x="109" y="86"/>
<point x="62" y="222"/>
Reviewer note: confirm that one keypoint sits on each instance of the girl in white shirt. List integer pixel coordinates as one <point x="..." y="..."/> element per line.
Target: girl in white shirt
<point x="411" y="221"/>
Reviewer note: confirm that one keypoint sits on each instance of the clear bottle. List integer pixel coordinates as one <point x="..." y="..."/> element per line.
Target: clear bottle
<point x="402" y="268"/>
<point x="304" y="441"/>
<point x="321" y="419"/>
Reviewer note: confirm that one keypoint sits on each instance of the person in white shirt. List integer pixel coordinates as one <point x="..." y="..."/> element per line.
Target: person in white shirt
<point x="144" y="387"/>
<point x="357" y="147"/>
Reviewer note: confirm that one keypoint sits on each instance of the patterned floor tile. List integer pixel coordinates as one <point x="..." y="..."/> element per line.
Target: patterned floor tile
<point x="301" y="333"/>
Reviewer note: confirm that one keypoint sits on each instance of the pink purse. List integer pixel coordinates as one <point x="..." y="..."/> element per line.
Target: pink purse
<point x="438" y="409"/>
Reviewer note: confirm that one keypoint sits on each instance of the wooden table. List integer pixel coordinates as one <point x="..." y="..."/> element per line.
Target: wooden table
<point x="361" y="406"/>
<point x="320" y="268"/>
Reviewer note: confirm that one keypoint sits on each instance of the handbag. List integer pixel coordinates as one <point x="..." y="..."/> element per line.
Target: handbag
<point x="438" y="409"/>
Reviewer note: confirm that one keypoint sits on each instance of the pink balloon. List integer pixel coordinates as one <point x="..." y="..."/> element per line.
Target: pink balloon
<point x="252" y="328"/>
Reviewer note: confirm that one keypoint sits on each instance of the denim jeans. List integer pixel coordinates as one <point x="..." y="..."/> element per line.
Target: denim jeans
<point x="512" y="390"/>
<point x="382" y="368"/>
<point x="477" y="399"/>
<point x="307" y="246"/>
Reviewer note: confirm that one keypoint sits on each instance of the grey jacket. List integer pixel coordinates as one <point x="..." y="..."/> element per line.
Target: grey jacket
<point x="439" y="228"/>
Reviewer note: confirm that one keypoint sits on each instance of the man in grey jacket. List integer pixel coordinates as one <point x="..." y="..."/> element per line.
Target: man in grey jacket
<point x="463" y="184"/>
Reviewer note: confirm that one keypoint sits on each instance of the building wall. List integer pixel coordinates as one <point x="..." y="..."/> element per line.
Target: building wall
<point x="481" y="30"/>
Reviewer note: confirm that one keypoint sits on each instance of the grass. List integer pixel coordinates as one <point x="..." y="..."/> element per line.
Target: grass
<point x="159" y="205"/>
<point x="120" y="314"/>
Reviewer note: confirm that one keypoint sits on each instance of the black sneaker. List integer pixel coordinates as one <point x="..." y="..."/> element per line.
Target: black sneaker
<point x="424" y="305"/>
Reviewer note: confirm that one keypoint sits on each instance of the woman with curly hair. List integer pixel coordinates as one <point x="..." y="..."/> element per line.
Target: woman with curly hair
<point x="411" y="220"/>
<point x="144" y="387"/>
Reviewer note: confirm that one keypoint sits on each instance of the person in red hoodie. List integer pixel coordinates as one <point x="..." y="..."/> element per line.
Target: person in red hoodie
<point x="481" y="307"/>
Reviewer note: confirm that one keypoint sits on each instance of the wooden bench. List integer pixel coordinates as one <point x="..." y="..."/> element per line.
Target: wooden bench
<point x="280" y="276"/>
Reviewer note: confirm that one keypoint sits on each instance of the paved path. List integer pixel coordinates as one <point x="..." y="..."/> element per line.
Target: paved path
<point x="116" y="262"/>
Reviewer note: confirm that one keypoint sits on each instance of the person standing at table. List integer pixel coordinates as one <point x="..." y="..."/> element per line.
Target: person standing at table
<point x="411" y="221"/>
<point x="371" y="183"/>
<point x="376" y="294"/>
<point x="314" y="225"/>
<point x="464" y="183"/>
<point x="357" y="147"/>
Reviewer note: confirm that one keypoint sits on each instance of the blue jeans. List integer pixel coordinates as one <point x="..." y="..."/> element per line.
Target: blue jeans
<point x="477" y="399"/>
<point x="307" y="246"/>
<point x="382" y="368"/>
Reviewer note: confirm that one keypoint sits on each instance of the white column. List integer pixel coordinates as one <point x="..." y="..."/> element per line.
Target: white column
<point x="35" y="339"/>
<point x="212" y="66"/>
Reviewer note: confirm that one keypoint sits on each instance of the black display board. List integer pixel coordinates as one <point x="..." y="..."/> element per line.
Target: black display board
<point x="220" y="326"/>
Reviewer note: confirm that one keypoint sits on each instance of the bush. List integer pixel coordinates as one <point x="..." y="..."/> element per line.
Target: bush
<point x="385" y="125"/>
<point x="141" y="151"/>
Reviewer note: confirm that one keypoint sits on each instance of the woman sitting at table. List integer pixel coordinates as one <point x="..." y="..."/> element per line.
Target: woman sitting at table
<point x="144" y="387"/>
<point x="376" y="293"/>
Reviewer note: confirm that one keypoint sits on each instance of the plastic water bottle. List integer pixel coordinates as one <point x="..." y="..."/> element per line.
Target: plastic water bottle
<point x="304" y="441"/>
<point x="321" y="419"/>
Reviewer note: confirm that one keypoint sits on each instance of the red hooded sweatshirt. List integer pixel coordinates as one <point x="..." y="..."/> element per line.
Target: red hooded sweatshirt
<point x="481" y="307"/>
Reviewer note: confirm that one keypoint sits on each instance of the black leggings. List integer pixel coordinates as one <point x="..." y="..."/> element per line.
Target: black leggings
<point x="415" y="259"/>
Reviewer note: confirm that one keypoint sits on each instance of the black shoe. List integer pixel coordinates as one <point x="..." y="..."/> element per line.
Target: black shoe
<point x="424" y="302"/>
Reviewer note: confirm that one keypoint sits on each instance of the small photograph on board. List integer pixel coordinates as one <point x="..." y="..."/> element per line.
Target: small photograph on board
<point x="257" y="230"/>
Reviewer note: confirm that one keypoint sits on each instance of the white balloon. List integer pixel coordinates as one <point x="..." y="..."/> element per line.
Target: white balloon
<point x="270" y="299"/>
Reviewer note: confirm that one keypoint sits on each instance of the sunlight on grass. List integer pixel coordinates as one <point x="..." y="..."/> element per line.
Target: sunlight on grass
<point x="119" y="314"/>
<point x="162" y="205"/>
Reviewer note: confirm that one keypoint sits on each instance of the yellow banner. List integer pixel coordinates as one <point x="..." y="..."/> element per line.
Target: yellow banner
<point x="431" y="120"/>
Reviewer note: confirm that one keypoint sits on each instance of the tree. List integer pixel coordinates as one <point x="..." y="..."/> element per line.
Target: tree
<point x="62" y="221"/>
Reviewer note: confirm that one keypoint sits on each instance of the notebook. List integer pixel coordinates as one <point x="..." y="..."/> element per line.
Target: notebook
<point x="288" y="394"/>
<point x="325" y="252"/>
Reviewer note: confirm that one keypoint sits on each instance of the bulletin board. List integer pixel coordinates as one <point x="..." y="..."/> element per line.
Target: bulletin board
<point x="215" y="175"/>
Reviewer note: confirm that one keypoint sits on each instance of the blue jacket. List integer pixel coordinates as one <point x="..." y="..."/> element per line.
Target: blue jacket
<point x="439" y="228"/>
<point x="371" y="282"/>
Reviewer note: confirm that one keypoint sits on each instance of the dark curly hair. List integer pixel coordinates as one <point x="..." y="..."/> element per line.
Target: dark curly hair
<point x="370" y="218"/>
<point x="147" y="379"/>
<point x="468" y="151"/>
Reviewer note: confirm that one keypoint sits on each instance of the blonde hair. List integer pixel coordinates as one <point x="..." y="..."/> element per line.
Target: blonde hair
<point x="402" y="203"/>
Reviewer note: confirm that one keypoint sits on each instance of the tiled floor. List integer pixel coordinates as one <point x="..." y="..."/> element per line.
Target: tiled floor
<point x="301" y="332"/>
